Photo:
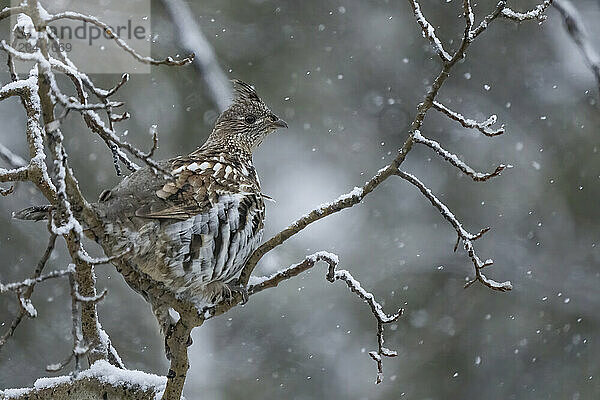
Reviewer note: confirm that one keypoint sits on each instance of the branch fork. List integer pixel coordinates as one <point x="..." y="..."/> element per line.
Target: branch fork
<point x="41" y="94"/>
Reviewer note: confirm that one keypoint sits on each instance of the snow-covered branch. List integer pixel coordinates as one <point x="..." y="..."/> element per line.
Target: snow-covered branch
<point x="17" y="286"/>
<point x="43" y="97"/>
<point x="429" y="31"/>
<point x="40" y="95"/>
<point x="112" y="35"/>
<point x="501" y="10"/>
<point x="469" y="19"/>
<point x="535" y="13"/>
<point x="91" y="117"/>
<point x="101" y="380"/>
<point x="381" y="317"/>
<point x="483" y="127"/>
<point x="8" y="11"/>
<point x="483" y="25"/>
<point x="28" y="289"/>
<point x="457" y="162"/>
<point x="258" y="284"/>
<point x="462" y="233"/>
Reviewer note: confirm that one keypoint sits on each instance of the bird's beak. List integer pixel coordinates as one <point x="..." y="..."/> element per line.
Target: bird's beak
<point x="279" y="123"/>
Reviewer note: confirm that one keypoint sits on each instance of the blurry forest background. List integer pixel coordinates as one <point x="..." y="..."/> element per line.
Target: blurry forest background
<point x="347" y="76"/>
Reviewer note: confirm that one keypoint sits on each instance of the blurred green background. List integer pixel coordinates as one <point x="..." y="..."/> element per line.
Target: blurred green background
<point x="347" y="76"/>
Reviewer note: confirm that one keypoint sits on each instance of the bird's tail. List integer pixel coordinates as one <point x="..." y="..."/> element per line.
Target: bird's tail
<point x="35" y="213"/>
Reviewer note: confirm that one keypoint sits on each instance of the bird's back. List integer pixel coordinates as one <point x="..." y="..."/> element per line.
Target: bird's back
<point x="194" y="232"/>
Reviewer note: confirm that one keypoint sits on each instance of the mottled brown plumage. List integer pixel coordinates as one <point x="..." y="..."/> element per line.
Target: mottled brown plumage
<point x="195" y="231"/>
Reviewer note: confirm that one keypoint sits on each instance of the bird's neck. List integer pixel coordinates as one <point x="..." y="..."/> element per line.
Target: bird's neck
<point x="221" y="146"/>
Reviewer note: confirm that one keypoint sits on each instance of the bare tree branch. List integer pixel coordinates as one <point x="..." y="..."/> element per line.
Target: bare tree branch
<point x="535" y="13"/>
<point x="8" y="11"/>
<point x="258" y="284"/>
<point x="11" y="158"/>
<point x="27" y="283"/>
<point x="42" y="97"/>
<point x="463" y="235"/>
<point x="576" y="30"/>
<point x="205" y="61"/>
<point x="429" y="31"/>
<point x="454" y="160"/>
<point x="120" y="42"/>
<point x="483" y="127"/>
<point x="29" y="290"/>
<point x="358" y="194"/>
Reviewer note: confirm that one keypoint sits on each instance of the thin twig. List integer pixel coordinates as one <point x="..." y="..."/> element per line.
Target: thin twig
<point x="535" y="13"/>
<point x="483" y="127"/>
<point x="258" y="284"/>
<point x="429" y="31"/>
<point x="32" y="281"/>
<point x="8" y="11"/>
<point x="29" y="289"/>
<point x="454" y="160"/>
<point x="120" y="42"/>
<point x="463" y="234"/>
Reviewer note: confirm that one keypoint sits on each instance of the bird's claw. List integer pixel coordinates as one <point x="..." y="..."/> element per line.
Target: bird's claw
<point x="237" y="289"/>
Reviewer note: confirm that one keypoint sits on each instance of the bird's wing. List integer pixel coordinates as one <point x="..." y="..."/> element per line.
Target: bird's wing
<point x="198" y="184"/>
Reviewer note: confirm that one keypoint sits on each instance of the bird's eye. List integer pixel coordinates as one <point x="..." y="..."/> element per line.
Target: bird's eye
<point x="250" y="119"/>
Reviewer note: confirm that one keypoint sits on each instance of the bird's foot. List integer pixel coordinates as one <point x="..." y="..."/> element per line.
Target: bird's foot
<point x="225" y="292"/>
<point x="236" y="288"/>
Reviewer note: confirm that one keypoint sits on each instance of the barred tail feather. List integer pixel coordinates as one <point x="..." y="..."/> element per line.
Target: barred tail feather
<point x="35" y="213"/>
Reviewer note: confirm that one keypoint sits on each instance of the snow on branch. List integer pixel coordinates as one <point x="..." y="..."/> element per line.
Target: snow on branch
<point x="25" y="293"/>
<point x="358" y="194"/>
<point x="501" y="10"/>
<point x="101" y="380"/>
<point x="535" y="13"/>
<point x="8" y="11"/>
<point x="469" y="20"/>
<point x="91" y="117"/>
<point x="120" y="42"/>
<point x="36" y="170"/>
<point x="42" y="96"/>
<point x="17" y="286"/>
<point x="483" y="25"/>
<point x="462" y="233"/>
<point x="382" y="318"/>
<point x="258" y="284"/>
<point x="457" y="162"/>
<point x="14" y="174"/>
<point x="483" y="127"/>
<point x="429" y="31"/>
<point x="576" y="30"/>
<point x="39" y="98"/>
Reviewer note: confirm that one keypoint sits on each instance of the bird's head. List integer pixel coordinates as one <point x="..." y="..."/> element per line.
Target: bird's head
<point x="246" y="122"/>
